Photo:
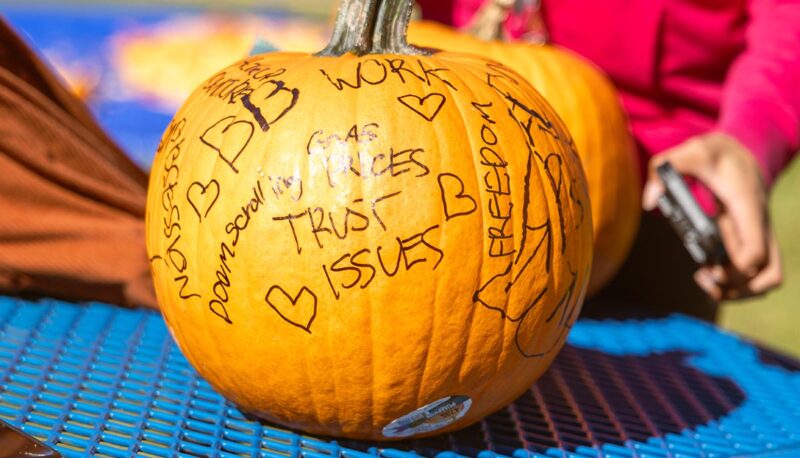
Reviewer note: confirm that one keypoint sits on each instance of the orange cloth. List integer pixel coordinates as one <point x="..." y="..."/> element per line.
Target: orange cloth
<point x="71" y="202"/>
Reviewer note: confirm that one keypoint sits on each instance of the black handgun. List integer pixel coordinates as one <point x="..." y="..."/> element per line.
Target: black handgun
<point x="698" y="232"/>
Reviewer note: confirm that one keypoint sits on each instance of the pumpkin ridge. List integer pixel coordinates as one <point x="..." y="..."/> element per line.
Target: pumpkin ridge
<point x="372" y="239"/>
<point x="474" y="153"/>
<point x="481" y="209"/>
<point x="333" y="369"/>
<point x="531" y="165"/>
<point x="307" y="67"/>
<point x="456" y="102"/>
<point x="313" y="393"/>
<point x="191" y="113"/>
<point x="423" y="379"/>
<point x="314" y="396"/>
<point x="444" y="157"/>
<point x="478" y="72"/>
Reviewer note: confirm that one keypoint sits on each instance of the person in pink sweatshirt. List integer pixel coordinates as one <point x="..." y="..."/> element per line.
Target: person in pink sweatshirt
<point x="713" y="86"/>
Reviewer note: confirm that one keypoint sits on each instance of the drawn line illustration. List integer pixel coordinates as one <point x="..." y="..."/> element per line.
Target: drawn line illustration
<point x="238" y="138"/>
<point x="427" y="107"/>
<point x="195" y="195"/>
<point x="455" y="200"/>
<point x="300" y="310"/>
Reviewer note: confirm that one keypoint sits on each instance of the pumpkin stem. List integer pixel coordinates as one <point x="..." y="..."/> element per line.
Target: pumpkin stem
<point x="391" y="29"/>
<point x="353" y="29"/>
<point x="371" y="27"/>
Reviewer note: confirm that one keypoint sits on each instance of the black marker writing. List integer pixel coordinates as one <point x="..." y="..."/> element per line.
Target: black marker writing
<point x="299" y="311"/>
<point x="372" y="72"/>
<point x="172" y="145"/>
<point x="235" y="227"/>
<point x="322" y="223"/>
<point x="426" y="107"/>
<point x="228" y="137"/>
<point x="455" y="201"/>
<point x="359" y="268"/>
<point x="208" y="194"/>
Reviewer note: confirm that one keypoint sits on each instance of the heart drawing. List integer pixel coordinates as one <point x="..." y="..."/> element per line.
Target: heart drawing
<point x="299" y="310"/>
<point x="427" y="107"/>
<point x="203" y="197"/>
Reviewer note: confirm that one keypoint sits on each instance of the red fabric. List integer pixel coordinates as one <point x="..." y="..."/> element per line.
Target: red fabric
<point x="684" y="67"/>
<point x="72" y="203"/>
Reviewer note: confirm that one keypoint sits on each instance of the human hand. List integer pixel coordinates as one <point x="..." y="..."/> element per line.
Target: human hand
<point x="731" y="172"/>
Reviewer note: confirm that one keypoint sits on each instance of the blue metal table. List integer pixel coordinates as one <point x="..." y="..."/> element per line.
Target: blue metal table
<point x="97" y="380"/>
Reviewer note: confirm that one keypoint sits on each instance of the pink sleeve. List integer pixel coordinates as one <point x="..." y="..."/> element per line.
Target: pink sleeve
<point x="761" y="99"/>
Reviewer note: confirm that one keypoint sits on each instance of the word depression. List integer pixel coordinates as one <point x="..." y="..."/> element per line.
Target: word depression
<point x="173" y="145"/>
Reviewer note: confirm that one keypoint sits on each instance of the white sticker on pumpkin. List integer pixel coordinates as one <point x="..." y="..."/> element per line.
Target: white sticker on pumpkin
<point x="431" y="417"/>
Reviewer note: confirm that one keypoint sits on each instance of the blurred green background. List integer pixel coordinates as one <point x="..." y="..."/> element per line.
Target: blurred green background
<point x="775" y="318"/>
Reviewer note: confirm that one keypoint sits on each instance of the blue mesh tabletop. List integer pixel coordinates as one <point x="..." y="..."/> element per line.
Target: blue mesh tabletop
<point x="97" y="380"/>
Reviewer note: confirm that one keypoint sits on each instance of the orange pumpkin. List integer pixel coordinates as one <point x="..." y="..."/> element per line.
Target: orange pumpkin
<point x="166" y="61"/>
<point x="589" y="105"/>
<point x="373" y="242"/>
